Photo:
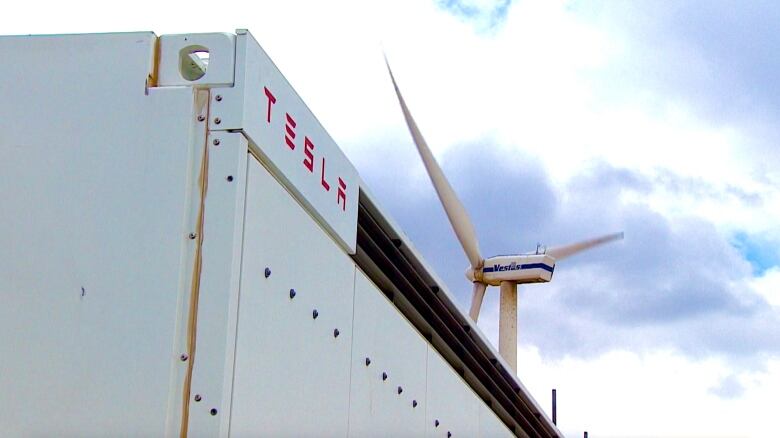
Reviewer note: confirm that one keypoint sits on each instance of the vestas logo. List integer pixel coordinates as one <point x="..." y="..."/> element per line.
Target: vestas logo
<point x="510" y="267"/>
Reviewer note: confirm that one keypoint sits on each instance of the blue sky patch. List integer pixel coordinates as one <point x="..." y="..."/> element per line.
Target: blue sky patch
<point x="761" y="253"/>
<point x="485" y="12"/>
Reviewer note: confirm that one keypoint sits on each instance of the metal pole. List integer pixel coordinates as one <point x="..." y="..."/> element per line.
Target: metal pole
<point x="585" y="435"/>
<point x="555" y="407"/>
<point x="507" y="324"/>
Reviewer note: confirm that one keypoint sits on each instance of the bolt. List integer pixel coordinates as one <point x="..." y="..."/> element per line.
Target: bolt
<point x="436" y="423"/>
<point x="315" y="314"/>
<point x="368" y="361"/>
<point x="414" y="403"/>
<point x="400" y="390"/>
<point x="192" y="236"/>
<point x="198" y="397"/>
<point x="216" y="142"/>
<point x="217" y="120"/>
<point x="336" y="333"/>
<point x="230" y="178"/>
<point x="267" y="272"/>
<point x="201" y="118"/>
<point x="218" y="98"/>
<point x="384" y="375"/>
<point x="292" y="293"/>
<point x="213" y="411"/>
<point x="183" y="357"/>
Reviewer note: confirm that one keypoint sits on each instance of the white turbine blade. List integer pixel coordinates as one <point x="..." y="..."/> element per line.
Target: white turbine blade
<point x="476" y="300"/>
<point x="459" y="219"/>
<point x="561" y="252"/>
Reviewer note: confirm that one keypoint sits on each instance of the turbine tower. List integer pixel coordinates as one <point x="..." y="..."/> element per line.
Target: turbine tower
<point x="504" y="271"/>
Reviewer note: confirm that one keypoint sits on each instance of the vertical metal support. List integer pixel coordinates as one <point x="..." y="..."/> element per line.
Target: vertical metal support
<point x="507" y="327"/>
<point x="585" y="434"/>
<point x="555" y="407"/>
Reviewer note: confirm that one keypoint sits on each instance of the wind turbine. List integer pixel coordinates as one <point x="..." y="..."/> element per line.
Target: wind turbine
<point x="506" y="271"/>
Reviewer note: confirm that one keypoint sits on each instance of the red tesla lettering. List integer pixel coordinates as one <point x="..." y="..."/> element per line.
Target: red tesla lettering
<point x="308" y="151"/>
<point x="322" y="176"/>
<point x="271" y="101"/>
<point x="308" y="146"/>
<point x="341" y="197"/>
<point x="290" y="133"/>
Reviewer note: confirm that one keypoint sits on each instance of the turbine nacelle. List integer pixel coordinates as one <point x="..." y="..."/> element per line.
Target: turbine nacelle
<point x="521" y="268"/>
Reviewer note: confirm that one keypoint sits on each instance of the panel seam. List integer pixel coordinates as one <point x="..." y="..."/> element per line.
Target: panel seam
<point x="238" y="298"/>
<point x="192" y="318"/>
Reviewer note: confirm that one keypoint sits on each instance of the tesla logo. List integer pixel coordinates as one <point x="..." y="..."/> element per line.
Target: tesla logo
<point x="309" y="151"/>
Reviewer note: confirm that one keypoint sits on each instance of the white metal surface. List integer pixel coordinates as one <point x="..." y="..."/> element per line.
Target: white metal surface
<point x="290" y="140"/>
<point x="451" y="404"/>
<point x="489" y="424"/>
<point x="385" y="344"/>
<point x="93" y="184"/>
<point x="291" y="373"/>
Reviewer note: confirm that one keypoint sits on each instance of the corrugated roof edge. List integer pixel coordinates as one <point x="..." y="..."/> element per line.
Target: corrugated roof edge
<point x="390" y="227"/>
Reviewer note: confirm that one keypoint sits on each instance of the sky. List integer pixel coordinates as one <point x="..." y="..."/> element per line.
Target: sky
<point x="557" y="121"/>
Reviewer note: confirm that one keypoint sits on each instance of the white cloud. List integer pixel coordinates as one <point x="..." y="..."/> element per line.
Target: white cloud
<point x="768" y="286"/>
<point x="658" y="394"/>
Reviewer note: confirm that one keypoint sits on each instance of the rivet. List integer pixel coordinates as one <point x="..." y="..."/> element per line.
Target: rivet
<point x="414" y="403"/>
<point x="192" y="236"/>
<point x="267" y="272"/>
<point x="400" y="390"/>
<point x="292" y="293"/>
<point x="368" y="361"/>
<point x="216" y="142"/>
<point x="436" y="423"/>
<point x="198" y="397"/>
<point x="218" y="98"/>
<point x="230" y="178"/>
<point x="384" y="375"/>
<point x="449" y="434"/>
<point x="315" y="314"/>
<point x="183" y="357"/>
<point x="217" y="120"/>
<point x="201" y="118"/>
<point x="213" y="411"/>
<point x="336" y="333"/>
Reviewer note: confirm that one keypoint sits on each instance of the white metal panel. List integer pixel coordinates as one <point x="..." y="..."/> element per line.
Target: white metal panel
<point x="221" y="48"/>
<point x="291" y="371"/>
<point x="490" y="426"/>
<point x="210" y="395"/>
<point x="290" y="140"/>
<point x="93" y="188"/>
<point x="451" y="403"/>
<point x="393" y="349"/>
